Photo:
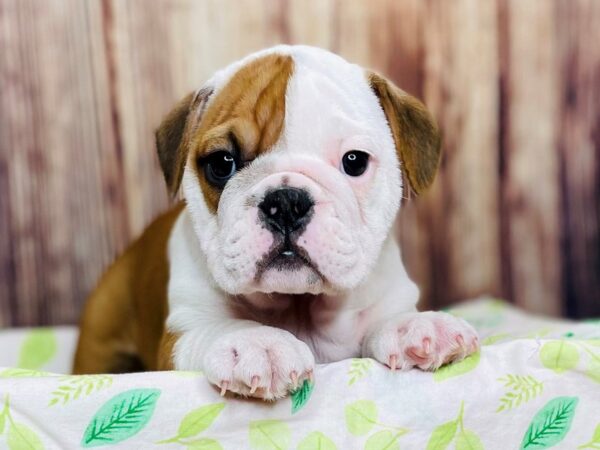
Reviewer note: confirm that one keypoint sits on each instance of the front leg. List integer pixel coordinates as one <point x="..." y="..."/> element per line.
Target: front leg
<point x="250" y="359"/>
<point x="426" y="340"/>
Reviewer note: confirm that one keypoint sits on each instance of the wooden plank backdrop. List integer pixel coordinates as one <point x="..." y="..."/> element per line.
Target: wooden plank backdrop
<point x="515" y="86"/>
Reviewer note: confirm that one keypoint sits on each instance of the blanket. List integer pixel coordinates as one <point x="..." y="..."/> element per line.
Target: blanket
<point x="534" y="385"/>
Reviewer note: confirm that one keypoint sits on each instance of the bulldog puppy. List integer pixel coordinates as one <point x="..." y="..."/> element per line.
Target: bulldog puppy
<point x="293" y="163"/>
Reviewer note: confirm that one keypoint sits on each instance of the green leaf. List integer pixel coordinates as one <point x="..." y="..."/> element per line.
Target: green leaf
<point x="550" y="425"/>
<point x="559" y="356"/>
<point x="596" y="436"/>
<point x="359" y="368"/>
<point x="16" y="372"/>
<point x="593" y="371"/>
<point x="37" y="349"/>
<point x="269" y="435"/>
<point x="442" y="436"/>
<point x="457" y="368"/>
<point x="522" y="389"/>
<point x="301" y="395"/>
<point x="121" y="417"/>
<point x="361" y="416"/>
<point x="2" y="422"/>
<point x="77" y="385"/>
<point x="199" y="420"/>
<point x="595" y="442"/>
<point x="204" y="444"/>
<point x="21" y="437"/>
<point x="382" y="440"/>
<point x="316" y="440"/>
<point x="467" y="440"/>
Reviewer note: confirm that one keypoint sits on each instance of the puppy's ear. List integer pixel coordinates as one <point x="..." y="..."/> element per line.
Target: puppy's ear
<point x="415" y="133"/>
<point x="173" y="134"/>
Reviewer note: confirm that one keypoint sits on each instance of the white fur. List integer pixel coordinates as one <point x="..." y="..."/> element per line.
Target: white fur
<point x="231" y="324"/>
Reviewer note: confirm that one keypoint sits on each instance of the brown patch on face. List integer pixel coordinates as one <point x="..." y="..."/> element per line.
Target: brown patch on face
<point x="415" y="133"/>
<point x="245" y="117"/>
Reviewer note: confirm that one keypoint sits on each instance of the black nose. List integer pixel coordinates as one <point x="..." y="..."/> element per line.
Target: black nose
<point x="286" y="209"/>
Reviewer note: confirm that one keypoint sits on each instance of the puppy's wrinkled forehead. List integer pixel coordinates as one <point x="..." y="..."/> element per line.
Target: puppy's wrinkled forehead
<point x="245" y="117"/>
<point x="303" y="100"/>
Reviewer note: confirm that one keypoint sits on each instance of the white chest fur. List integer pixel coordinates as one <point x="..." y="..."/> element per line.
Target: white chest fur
<point x="333" y="327"/>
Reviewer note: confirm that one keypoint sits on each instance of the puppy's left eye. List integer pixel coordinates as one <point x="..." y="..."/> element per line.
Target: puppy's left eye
<point x="219" y="167"/>
<point x="355" y="162"/>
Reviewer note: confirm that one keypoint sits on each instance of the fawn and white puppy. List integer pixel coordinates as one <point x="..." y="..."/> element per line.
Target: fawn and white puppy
<point x="292" y="163"/>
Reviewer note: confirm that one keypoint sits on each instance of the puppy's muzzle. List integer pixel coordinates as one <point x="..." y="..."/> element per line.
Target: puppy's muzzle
<point x="286" y="210"/>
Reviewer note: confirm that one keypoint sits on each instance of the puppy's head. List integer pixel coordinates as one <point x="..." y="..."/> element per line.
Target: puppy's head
<point x="292" y="163"/>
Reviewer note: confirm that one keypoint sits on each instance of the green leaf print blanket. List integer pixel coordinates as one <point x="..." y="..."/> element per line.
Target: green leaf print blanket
<point x="534" y="385"/>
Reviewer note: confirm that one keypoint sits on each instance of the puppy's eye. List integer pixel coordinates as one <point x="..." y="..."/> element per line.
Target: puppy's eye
<point x="219" y="167"/>
<point x="355" y="162"/>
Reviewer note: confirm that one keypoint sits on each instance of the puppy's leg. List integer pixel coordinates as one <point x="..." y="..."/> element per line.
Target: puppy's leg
<point x="245" y="357"/>
<point x="426" y="340"/>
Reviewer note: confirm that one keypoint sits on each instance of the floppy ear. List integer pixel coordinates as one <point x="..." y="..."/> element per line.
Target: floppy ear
<point x="415" y="133"/>
<point x="171" y="142"/>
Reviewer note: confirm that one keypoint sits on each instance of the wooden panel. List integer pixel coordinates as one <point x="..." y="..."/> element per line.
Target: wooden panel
<point x="530" y="187"/>
<point x="61" y="203"/>
<point x="515" y="86"/>
<point x="460" y="211"/>
<point x="579" y="146"/>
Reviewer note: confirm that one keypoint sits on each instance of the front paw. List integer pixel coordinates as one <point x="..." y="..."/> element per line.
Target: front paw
<point x="262" y="362"/>
<point x="426" y="340"/>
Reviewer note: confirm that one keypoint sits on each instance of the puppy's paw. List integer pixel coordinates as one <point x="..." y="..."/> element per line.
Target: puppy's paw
<point x="262" y="362"/>
<point x="426" y="340"/>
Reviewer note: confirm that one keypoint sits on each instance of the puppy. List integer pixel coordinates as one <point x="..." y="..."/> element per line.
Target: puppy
<point x="293" y="163"/>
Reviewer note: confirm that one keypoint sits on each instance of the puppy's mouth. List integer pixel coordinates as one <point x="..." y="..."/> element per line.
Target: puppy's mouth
<point x="285" y="257"/>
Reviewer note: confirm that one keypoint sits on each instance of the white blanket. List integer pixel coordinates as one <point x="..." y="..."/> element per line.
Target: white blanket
<point x="535" y="385"/>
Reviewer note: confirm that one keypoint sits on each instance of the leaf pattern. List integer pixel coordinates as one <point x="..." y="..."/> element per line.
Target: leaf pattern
<point x="19" y="435"/>
<point x="550" y="424"/>
<point x="383" y="440"/>
<point x="316" y="440"/>
<point x="442" y="436"/>
<point x="16" y="372"/>
<point x="359" y="369"/>
<point x="121" y="417"/>
<point x="269" y="435"/>
<point x="360" y="416"/>
<point x="559" y="356"/>
<point x="522" y="388"/>
<point x="195" y="422"/>
<point x="37" y="349"/>
<point x="76" y="386"/>
<point x="301" y="395"/>
<point x="457" y="368"/>
<point x="468" y="440"/>
<point x="594" y="443"/>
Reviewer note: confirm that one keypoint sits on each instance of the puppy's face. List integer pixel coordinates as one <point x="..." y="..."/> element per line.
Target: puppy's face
<point x="293" y="163"/>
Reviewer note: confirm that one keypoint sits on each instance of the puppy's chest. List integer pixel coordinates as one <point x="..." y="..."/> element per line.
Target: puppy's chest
<point x="332" y="334"/>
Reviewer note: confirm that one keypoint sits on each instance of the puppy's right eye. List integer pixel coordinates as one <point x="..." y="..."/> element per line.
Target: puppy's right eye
<point x="219" y="167"/>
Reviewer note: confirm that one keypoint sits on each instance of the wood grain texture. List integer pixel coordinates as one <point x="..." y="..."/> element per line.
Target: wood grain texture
<point x="515" y="87"/>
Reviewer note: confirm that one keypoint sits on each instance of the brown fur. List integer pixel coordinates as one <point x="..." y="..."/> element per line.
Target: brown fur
<point x="248" y="113"/>
<point x="124" y="318"/>
<point x="415" y="133"/>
